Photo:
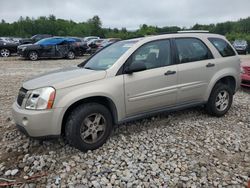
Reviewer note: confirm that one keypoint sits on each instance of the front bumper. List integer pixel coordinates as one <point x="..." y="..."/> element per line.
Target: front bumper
<point x="21" y="53"/>
<point x="245" y="80"/>
<point x="241" y="50"/>
<point x="38" y="123"/>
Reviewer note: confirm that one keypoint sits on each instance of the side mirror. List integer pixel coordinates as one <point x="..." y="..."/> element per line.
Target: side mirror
<point x="135" y="67"/>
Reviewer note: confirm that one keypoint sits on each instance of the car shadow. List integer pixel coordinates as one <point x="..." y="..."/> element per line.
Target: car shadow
<point x="160" y="120"/>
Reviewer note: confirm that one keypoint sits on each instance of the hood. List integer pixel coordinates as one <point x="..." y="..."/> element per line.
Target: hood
<point x="8" y="43"/>
<point x="245" y="63"/>
<point x="27" y="45"/>
<point x="64" y="78"/>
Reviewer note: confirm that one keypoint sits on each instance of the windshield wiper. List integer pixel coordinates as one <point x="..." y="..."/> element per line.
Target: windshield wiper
<point x="88" y="68"/>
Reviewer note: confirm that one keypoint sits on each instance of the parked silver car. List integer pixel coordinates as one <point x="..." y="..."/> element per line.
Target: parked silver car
<point x="129" y="80"/>
<point x="241" y="46"/>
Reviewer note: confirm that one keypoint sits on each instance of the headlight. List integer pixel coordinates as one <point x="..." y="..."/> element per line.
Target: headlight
<point x="41" y="99"/>
<point x="242" y="71"/>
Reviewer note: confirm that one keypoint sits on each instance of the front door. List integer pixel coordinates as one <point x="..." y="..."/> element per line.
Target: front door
<point x="48" y="51"/>
<point x="155" y="87"/>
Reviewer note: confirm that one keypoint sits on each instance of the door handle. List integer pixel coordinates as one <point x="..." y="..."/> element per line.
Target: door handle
<point x="169" y="73"/>
<point x="210" y="65"/>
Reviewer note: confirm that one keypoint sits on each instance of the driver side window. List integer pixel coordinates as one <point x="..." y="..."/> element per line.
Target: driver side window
<point x="153" y="54"/>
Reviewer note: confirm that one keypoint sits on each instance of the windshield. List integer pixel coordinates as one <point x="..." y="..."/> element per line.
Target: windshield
<point x="108" y="56"/>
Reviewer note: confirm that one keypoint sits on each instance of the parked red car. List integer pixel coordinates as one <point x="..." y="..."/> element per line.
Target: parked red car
<point x="245" y="73"/>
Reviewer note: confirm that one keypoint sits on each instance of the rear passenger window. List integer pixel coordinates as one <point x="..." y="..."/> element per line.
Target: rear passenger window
<point x="222" y="46"/>
<point x="192" y="49"/>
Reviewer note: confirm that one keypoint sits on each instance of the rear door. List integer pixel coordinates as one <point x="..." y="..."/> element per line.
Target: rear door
<point x="154" y="87"/>
<point x="62" y="49"/>
<point x="196" y="68"/>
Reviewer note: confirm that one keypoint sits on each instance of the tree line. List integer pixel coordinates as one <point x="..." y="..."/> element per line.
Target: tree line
<point x="26" y="27"/>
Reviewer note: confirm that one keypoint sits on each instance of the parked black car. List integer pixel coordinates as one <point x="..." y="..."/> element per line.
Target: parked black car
<point x="34" y="39"/>
<point x="94" y="44"/>
<point x="80" y="45"/>
<point x="7" y="47"/>
<point x="98" y="44"/>
<point x="55" y="47"/>
<point x="241" y="46"/>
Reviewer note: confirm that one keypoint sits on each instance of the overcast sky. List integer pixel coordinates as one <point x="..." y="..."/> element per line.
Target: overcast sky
<point x="130" y="13"/>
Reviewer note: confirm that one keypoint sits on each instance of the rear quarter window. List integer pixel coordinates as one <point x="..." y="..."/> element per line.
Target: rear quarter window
<point x="223" y="47"/>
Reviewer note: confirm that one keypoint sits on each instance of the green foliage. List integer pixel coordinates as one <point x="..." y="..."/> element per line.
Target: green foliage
<point x="26" y="27"/>
<point x="232" y="30"/>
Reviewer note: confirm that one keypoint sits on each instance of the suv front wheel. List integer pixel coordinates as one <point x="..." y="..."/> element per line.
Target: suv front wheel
<point x="88" y="127"/>
<point x="220" y="100"/>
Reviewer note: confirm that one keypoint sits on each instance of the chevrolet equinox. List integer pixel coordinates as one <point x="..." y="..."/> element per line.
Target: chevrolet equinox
<point x="129" y="80"/>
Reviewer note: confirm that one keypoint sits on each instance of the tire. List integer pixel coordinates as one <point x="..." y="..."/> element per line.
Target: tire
<point x="71" y="55"/>
<point x="82" y="129"/>
<point x="33" y="56"/>
<point x="82" y="51"/>
<point x="220" y="100"/>
<point x="5" y="52"/>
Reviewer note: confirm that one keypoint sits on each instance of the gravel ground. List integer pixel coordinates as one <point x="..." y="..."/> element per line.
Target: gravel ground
<point x="181" y="149"/>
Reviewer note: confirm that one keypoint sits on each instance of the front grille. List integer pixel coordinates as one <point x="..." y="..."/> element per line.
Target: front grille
<point x="247" y="70"/>
<point x="21" y="95"/>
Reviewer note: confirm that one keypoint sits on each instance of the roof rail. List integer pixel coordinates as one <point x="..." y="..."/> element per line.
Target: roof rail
<point x="193" y="31"/>
<point x="167" y="32"/>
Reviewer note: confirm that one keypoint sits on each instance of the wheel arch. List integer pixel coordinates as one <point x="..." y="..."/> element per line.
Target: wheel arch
<point x="35" y="50"/>
<point x="230" y="81"/>
<point x="107" y="102"/>
<point x="227" y="80"/>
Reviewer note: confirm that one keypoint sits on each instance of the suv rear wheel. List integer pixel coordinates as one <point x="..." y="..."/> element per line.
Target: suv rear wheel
<point x="220" y="100"/>
<point x="88" y="127"/>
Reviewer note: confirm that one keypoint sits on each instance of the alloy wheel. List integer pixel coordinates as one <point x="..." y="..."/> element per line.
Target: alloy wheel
<point x="33" y="56"/>
<point x="222" y="100"/>
<point x="93" y="128"/>
<point x="71" y="55"/>
<point x="5" y="53"/>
